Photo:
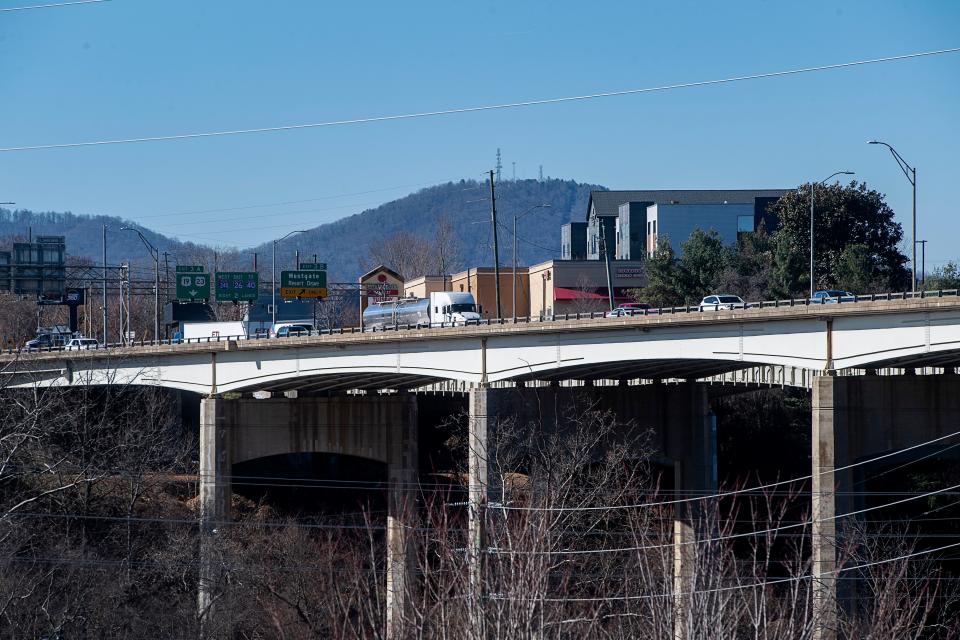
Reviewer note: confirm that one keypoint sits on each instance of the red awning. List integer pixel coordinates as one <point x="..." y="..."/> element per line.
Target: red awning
<point x="563" y="293"/>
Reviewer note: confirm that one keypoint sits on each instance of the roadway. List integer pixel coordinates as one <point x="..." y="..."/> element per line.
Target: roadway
<point x="907" y="333"/>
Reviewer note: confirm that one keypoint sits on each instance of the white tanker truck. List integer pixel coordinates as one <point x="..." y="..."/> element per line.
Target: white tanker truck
<point x="442" y="307"/>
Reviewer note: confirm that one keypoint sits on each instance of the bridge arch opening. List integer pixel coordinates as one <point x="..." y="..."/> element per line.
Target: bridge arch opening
<point x="313" y="483"/>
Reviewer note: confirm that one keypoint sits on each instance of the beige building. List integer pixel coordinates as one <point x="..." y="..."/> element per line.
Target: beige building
<point x="423" y="286"/>
<point x="480" y="281"/>
<point x="580" y="286"/>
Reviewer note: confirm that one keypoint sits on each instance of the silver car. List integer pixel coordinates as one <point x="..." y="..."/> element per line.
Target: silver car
<point x="722" y="302"/>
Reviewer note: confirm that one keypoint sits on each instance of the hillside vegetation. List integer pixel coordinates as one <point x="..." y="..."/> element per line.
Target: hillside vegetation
<point x="345" y="245"/>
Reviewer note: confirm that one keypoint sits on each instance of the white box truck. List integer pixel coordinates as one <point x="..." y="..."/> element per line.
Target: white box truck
<point x="231" y="330"/>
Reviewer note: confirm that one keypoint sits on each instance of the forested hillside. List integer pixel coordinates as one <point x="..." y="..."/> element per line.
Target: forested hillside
<point x="345" y="245"/>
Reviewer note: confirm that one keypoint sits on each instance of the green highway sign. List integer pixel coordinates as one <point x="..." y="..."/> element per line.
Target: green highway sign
<point x="193" y="286"/>
<point x="313" y="266"/>
<point x="303" y="284"/>
<point x="237" y="285"/>
<point x="189" y="268"/>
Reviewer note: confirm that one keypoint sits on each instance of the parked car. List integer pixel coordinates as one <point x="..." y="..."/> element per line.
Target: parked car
<point x="627" y="309"/>
<point x="291" y="330"/>
<point x="45" y="341"/>
<point x="832" y="296"/>
<point x="722" y="302"/>
<point x="82" y="343"/>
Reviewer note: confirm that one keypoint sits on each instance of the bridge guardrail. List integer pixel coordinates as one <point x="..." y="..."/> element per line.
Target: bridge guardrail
<point x="590" y="315"/>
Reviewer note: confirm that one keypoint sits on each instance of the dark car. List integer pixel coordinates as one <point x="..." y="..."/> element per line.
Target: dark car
<point x="832" y="296"/>
<point x="290" y="330"/>
<point x="45" y="341"/>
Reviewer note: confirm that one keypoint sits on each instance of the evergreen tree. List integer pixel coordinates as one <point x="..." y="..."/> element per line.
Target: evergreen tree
<point x="843" y="216"/>
<point x="702" y="265"/>
<point x="663" y="276"/>
<point x="945" y="277"/>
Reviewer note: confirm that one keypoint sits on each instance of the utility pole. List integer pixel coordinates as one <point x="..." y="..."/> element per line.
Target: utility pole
<point x="155" y="254"/>
<point x="496" y="247"/>
<point x="606" y="257"/>
<point x="166" y="277"/>
<point x="105" y="334"/>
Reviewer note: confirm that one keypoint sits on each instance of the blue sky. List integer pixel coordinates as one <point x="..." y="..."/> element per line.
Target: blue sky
<point x="131" y="68"/>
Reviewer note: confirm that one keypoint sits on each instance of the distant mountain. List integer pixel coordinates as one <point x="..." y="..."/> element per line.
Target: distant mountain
<point x="345" y="244"/>
<point x="84" y="236"/>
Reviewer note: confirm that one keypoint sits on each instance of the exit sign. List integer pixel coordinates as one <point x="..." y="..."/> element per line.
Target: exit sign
<point x="303" y="284"/>
<point x="236" y="286"/>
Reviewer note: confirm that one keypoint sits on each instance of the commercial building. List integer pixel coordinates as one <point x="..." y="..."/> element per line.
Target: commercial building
<point x="423" y="286"/>
<point x="580" y="286"/>
<point x="481" y="282"/>
<point x="633" y="222"/>
<point x="573" y="241"/>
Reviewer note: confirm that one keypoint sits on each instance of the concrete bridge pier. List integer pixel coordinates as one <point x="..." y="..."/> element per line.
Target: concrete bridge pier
<point x="381" y="428"/>
<point x="685" y="421"/>
<point x="679" y="416"/>
<point x="857" y="418"/>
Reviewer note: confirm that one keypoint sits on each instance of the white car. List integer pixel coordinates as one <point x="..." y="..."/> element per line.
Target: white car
<point x="722" y="302"/>
<point x="81" y="343"/>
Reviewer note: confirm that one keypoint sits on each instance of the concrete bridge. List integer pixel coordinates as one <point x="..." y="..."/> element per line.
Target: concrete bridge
<point x="840" y="337"/>
<point x="837" y="350"/>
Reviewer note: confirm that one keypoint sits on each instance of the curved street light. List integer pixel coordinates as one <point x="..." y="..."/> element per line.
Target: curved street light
<point x="155" y="254"/>
<point x="515" y="218"/>
<point x="911" y="174"/>
<point x="273" y="277"/>
<point x="813" y="187"/>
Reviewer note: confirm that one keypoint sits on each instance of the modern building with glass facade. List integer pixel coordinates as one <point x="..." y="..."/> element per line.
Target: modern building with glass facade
<point x="632" y="222"/>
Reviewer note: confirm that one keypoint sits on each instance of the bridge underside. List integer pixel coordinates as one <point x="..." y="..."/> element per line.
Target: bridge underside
<point x="348" y="382"/>
<point x="638" y="369"/>
<point x="945" y="359"/>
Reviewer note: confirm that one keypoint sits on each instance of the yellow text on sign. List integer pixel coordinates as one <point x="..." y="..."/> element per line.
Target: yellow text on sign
<point x="303" y="292"/>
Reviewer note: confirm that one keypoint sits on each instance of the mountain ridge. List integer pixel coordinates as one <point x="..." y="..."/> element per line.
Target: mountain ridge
<point x="345" y="244"/>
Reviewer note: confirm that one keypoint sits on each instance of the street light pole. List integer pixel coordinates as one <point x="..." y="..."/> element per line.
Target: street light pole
<point x="911" y="174"/>
<point x="273" y="278"/>
<point x="155" y="254"/>
<point x="515" y="218"/>
<point x="812" y="191"/>
<point x="923" y="262"/>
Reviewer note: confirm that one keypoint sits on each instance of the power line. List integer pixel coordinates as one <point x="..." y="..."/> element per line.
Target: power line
<point x="492" y="107"/>
<point x="733" y="536"/>
<point x="738" y="491"/>
<point x="764" y="584"/>
<point x="50" y="6"/>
